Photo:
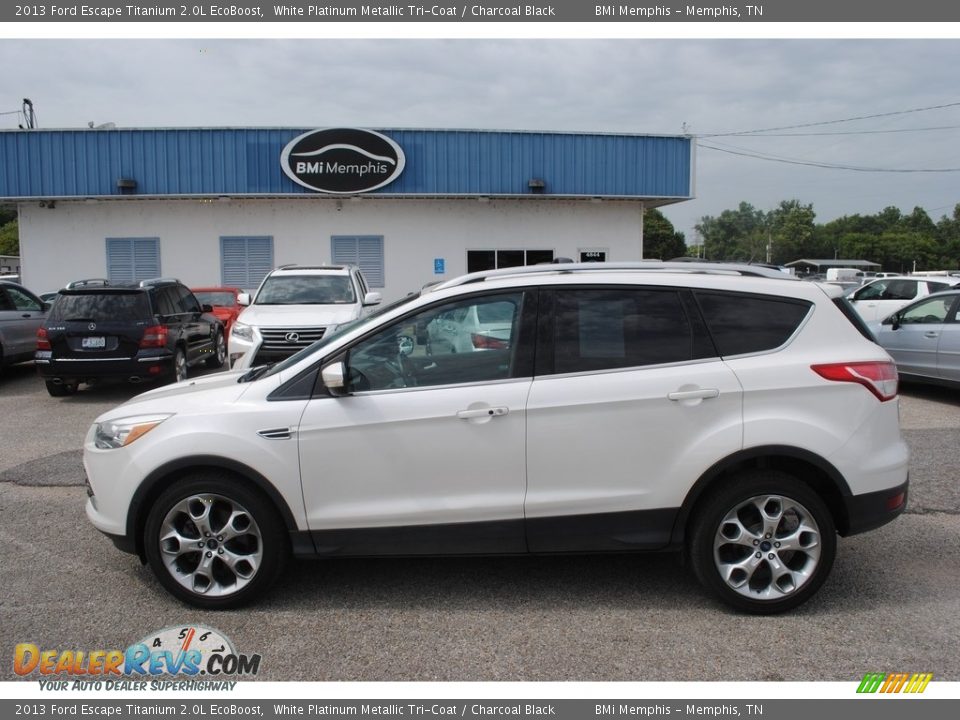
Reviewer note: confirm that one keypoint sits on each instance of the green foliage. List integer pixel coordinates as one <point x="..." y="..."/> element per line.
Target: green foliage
<point x="660" y="240"/>
<point x="890" y="238"/>
<point x="10" y="239"/>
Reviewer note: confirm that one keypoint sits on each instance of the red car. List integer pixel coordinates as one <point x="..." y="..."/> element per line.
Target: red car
<point x="224" y="302"/>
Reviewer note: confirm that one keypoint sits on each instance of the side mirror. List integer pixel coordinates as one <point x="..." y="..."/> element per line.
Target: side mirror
<point x="334" y="378"/>
<point x="243" y="299"/>
<point x="372" y="298"/>
<point x="206" y="308"/>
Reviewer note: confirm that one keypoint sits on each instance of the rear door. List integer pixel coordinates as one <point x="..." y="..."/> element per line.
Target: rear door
<point x="948" y="351"/>
<point x="629" y="404"/>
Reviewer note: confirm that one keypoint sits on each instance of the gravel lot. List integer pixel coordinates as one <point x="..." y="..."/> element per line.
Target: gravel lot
<point x="891" y="604"/>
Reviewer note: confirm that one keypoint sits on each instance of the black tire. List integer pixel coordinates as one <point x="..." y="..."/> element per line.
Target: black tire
<point x="219" y="355"/>
<point x="203" y="576"/>
<point x="179" y="365"/>
<point x="61" y="389"/>
<point x="738" y="538"/>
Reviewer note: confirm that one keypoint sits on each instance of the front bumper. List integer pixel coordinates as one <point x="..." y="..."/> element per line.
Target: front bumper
<point x="871" y="510"/>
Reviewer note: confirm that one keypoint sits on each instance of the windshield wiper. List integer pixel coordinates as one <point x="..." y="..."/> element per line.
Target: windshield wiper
<point x="254" y="373"/>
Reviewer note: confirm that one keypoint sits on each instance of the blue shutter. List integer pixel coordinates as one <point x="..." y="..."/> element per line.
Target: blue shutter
<point x="132" y="259"/>
<point x="365" y="251"/>
<point x="245" y="261"/>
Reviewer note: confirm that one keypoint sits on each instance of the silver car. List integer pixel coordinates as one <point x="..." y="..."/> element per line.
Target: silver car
<point x="924" y="338"/>
<point x="21" y="314"/>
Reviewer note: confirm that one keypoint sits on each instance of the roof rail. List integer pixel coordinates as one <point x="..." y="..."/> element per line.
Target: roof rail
<point x="158" y="281"/>
<point x="102" y="282"/>
<point x="295" y="266"/>
<point x="659" y="266"/>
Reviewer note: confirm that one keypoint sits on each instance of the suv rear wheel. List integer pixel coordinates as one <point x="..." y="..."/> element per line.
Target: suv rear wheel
<point x="213" y="542"/>
<point x="764" y="544"/>
<point x="179" y="365"/>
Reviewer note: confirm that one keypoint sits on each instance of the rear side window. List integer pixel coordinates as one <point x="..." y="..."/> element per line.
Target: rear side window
<point x="606" y="329"/>
<point x="742" y="324"/>
<point x="99" y="307"/>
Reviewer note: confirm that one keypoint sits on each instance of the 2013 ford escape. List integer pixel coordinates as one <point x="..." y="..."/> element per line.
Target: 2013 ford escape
<point x="746" y="420"/>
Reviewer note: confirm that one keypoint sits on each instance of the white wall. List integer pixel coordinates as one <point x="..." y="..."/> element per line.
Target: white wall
<point x="68" y="242"/>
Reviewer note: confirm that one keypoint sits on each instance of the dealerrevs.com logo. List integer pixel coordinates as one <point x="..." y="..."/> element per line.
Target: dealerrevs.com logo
<point x="342" y="160"/>
<point x="193" y="652"/>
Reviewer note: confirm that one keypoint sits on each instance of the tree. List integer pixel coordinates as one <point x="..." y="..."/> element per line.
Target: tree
<point x="10" y="239"/>
<point x="735" y="235"/>
<point x="792" y="232"/>
<point x="660" y="240"/>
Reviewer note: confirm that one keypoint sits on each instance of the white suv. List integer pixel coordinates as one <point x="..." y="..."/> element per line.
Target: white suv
<point x="744" y="419"/>
<point x="295" y="306"/>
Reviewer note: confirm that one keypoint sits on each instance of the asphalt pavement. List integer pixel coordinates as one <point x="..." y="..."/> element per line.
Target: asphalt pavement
<point x="892" y="602"/>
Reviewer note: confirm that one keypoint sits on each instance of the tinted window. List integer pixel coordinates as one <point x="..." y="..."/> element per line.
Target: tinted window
<point x="21" y="300"/>
<point x="186" y="301"/>
<point x="99" y="307"/>
<point x="617" y="328"/>
<point x="743" y="324"/>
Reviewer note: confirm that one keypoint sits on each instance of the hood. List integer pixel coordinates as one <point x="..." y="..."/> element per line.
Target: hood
<point x="199" y="392"/>
<point x="298" y="315"/>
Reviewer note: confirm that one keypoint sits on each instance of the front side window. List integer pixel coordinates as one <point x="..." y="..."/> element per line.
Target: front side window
<point x="22" y="301"/>
<point x="468" y="341"/>
<point x="930" y="312"/>
<point x="607" y="329"/>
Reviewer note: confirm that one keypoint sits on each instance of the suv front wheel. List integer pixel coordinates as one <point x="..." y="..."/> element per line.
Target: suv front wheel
<point x="213" y="542"/>
<point x="764" y="544"/>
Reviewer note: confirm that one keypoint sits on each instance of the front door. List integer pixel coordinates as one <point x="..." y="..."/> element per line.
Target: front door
<point x="426" y="453"/>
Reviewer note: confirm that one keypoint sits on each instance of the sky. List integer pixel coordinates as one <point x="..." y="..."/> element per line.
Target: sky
<point x="704" y="87"/>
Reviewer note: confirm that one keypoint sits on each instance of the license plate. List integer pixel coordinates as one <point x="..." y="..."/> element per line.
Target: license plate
<point x="93" y="343"/>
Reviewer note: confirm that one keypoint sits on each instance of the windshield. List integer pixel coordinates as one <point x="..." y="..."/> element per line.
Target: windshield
<point x="307" y="290"/>
<point x="329" y="337"/>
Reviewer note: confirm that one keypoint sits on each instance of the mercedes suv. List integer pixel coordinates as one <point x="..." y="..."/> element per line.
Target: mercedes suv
<point x="729" y="412"/>
<point x="295" y="306"/>
<point x="150" y="330"/>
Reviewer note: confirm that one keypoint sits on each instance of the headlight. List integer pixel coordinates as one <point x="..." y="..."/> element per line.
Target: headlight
<point x="242" y="331"/>
<point x="123" y="431"/>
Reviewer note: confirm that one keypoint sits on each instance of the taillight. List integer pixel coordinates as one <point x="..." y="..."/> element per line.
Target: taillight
<point x="43" y="342"/>
<point x="485" y="342"/>
<point x="880" y="378"/>
<point x="154" y="336"/>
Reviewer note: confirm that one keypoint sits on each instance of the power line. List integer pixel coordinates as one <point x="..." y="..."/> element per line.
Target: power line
<point x="848" y="132"/>
<point x="829" y="166"/>
<point x="834" y="122"/>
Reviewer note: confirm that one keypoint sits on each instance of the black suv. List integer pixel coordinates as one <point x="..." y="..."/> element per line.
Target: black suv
<point x="151" y="330"/>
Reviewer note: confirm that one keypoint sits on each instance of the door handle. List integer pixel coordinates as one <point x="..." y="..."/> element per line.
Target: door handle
<point x="931" y="334"/>
<point x="698" y="394"/>
<point x="482" y="412"/>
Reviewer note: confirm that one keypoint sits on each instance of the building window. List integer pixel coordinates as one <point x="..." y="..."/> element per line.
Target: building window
<point x="479" y="260"/>
<point x="245" y="261"/>
<point x="364" y="251"/>
<point x="132" y="259"/>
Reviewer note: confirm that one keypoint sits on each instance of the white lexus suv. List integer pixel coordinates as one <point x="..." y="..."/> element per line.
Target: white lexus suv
<point x="734" y="414"/>
<point x="294" y="307"/>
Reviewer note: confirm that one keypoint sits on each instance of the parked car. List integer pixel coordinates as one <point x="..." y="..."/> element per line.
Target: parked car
<point x="224" y="301"/>
<point x="21" y="314"/>
<point x="150" y="330"/>
<point x="743" y="418"/>
<point x="879" y="298"/>
<point x="295" y="306"/>
<point x="924" y="339"/>
<point x="49" y="297"/>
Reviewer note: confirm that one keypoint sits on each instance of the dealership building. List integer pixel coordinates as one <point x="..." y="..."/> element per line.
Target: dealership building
<point x="223" y="206"/>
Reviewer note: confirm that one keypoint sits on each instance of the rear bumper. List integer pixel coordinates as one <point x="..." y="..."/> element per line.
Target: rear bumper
<point x="871" y="510"/>
<point x="142" y="366"/>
